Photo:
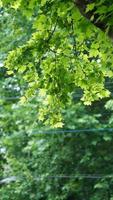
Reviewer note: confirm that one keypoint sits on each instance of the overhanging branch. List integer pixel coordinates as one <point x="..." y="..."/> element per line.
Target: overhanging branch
<point x="82" y="5"/>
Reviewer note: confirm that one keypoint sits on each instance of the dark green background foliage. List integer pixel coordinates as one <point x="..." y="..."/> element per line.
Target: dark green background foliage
<point x="40" y="160"/>
<point x="56" y="57"/>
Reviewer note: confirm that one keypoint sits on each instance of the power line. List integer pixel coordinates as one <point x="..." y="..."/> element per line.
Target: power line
<point x="60" y="132"/>
<point x="8" y="180"/>
<point x="72" y="131"/>
<point x="87" y="176"/>
<point x="77" y="95"/>
<point x="18" y="86"/>
<point x="10" y="98"/>
<point x="19" y="97"/>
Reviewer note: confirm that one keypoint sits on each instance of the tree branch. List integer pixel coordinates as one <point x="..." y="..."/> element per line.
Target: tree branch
<point x="82" y="5"/>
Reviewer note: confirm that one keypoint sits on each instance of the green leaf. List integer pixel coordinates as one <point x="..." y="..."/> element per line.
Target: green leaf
<point x="90" y="7"/>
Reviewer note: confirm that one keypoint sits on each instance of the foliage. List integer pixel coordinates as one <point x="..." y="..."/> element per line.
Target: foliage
<point x="15" y="30"/>
<point x="64" y="51"/>
<point x="39" y="161"/>
<point x="55" y="52"/>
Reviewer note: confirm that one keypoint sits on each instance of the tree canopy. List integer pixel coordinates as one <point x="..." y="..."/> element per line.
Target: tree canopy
<point x="65" y="51"/>
<point x="58" y="54"/>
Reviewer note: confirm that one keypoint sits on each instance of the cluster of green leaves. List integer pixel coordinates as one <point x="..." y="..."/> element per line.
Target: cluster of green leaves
<point x="39" y="160"/>
<point x="104" y="10"/>
<point x="64" y="51"/>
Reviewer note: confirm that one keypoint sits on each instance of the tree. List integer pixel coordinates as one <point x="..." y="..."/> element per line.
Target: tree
<point x="58" y="166"/>
<point x="99" y="13"/>
<point x="65" y="51"/>
<point x="52" y="166"/>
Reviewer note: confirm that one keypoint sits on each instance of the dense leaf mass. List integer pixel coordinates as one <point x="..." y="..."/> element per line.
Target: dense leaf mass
<point x="59" y="52"/>
<point x="65" y="50"/>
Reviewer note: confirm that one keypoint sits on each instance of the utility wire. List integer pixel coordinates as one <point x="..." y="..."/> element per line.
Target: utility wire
<point x="8" y="180"/>
<point x="72" y="131"/>
<point x="18" y="86"/>
<point x="59" y="132"/>
<point x="88" y="176"/>
<point x="18" y="97"/>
